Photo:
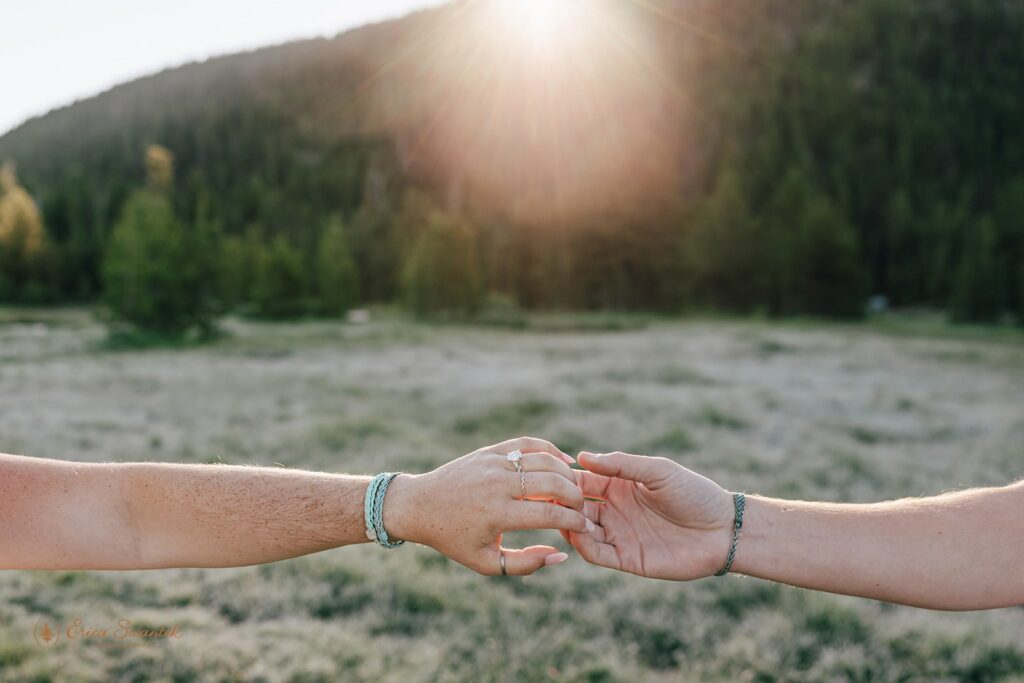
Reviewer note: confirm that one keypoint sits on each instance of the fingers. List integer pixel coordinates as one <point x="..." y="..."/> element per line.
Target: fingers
<point x="592" y="485"/>
<point x="542" y="462"/>
<point x="595" y="551"/>
<point x="641" y="468"/>
<point x="547" y="486"/>
<point x="592" y="510"/>
<point x="525" y="561"/>
<point x="536" y="515"/>
<point x="529" y="444"/>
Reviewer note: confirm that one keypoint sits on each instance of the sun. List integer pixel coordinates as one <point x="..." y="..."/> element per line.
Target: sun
<point x="538" y="24"/>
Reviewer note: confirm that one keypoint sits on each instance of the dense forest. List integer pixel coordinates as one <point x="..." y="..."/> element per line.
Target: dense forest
<point x="780" y="156"/>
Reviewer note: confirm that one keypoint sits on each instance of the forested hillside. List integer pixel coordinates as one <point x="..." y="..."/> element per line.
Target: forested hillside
<point x="787" y="156"/>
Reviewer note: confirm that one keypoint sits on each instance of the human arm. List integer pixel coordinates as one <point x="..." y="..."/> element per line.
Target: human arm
<point x="957" y="551"/>
<point x="67" y="515"/>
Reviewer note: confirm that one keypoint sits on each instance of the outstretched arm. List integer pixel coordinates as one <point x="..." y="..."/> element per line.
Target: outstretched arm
<point x="957" y="551"/>
<point x="67" y="515"/>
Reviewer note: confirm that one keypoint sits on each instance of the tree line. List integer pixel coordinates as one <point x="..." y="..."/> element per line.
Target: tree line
<point x="839" y="150"/>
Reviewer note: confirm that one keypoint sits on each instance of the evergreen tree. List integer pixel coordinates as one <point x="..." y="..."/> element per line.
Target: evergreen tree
<point x="441" y="275"/>
<point x="336" y="275"/>
<point x="975" y="295"/>
<point x="832" y="278"/>
<point x="722" y="248"/>
<point x="279" y="281"/>
<point x="237" y="270"/>
<point x="1008" y="221"/>
<point x="157" y="274"/>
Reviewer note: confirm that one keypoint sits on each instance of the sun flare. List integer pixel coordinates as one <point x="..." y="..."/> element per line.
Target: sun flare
<point x="538" y="23"/>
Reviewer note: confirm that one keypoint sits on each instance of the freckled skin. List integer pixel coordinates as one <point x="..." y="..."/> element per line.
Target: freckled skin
<point x="63" y="515"/>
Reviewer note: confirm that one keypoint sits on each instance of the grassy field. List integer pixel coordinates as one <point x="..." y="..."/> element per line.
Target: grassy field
<point x="856" y="413"/>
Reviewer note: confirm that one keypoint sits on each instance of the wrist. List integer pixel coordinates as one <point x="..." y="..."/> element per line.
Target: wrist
<point x="403" y="507"/>
<point x="754" y="537"/>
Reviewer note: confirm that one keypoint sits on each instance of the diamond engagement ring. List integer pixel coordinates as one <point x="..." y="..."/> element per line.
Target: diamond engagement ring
<point x="514" y="457"/>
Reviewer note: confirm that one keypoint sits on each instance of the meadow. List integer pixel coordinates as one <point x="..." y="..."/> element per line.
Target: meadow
<point x="895" y="407"/>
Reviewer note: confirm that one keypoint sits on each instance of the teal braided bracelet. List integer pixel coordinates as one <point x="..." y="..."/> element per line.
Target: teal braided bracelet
<point x="740" y="502"/>
<point x="373" y="509"/>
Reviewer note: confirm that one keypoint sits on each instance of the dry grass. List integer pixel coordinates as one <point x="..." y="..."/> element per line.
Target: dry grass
<point x="798" y="410"/>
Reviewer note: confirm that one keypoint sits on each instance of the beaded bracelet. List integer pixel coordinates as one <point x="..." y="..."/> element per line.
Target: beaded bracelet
<point x="373" y="509"/>
<point x="740" y="502"/>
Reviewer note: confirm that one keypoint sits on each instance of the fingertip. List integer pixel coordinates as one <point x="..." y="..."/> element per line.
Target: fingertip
<point x="555" y="558"/>
<point x="590" y="461"/>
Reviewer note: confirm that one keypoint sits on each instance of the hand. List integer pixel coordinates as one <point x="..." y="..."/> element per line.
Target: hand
<point x="655" y="518"/>
<point x="462" y="508"/>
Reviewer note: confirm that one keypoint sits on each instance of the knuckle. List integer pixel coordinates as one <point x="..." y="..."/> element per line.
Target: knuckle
<point x="575" y="495"/>
<point x="551" y="514"/>
<point x="561" y="487"/>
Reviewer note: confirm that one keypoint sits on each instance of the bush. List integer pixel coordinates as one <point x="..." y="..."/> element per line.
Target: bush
<point x="441" y="276"/>
<point x="337" y="281"/>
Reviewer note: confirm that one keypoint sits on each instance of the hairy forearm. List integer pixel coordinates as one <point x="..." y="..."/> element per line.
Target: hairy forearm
<point x="217" y="516"/>
<point x="957" y="551"/>
<point x="65" y="515"/>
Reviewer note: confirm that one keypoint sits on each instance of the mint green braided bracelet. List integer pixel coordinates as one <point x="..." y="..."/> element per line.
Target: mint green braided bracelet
<point x="373" y="509"/>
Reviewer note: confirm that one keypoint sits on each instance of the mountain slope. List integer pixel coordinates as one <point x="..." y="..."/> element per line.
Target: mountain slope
<point x="647" y="153"/>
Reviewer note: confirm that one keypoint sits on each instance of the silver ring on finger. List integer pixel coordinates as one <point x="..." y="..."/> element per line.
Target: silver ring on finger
<point x="501" y="560"/>
<point x="515" y="457"/>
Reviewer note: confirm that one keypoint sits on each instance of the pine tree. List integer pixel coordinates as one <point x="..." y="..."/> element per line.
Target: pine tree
<point x="1008" y="219"/>
<point x="441" y="275"/>
<point x="337" y="280"/>
<point x="721" y="249"/>
<point x="279" y="281"/>
<point x="975" y="293"/>
<point x="158" y="275"/>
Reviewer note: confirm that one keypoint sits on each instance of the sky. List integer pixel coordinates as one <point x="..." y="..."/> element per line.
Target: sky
<point x="54" y="52"/>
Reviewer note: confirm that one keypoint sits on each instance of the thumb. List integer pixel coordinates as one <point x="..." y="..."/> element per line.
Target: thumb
<point x="520" y="562"/>
<point x="641" y="468"/>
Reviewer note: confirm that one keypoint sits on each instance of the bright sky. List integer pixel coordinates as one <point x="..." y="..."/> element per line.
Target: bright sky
<point x="54" y="52"/>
